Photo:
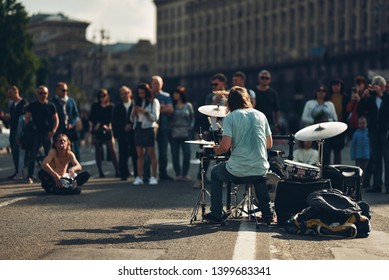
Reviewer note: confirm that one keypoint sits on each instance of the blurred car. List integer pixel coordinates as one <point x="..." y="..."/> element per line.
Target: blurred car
<point x="4" y="136"/>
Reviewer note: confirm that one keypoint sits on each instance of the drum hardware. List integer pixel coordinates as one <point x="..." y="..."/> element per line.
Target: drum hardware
<point x="203" y="156"/>
<point x="319" y="132"/>
<point x="201" y="196"/>
<point x="291" y="142"/>
<point x="248" y="203"/>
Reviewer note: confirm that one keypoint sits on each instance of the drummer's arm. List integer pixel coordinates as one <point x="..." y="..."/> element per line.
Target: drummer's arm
<point x="269" y="142"/>
<point x="224" y="146"/>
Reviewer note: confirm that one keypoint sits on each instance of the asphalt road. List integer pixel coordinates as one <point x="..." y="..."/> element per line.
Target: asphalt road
<point x="116" y="220"/>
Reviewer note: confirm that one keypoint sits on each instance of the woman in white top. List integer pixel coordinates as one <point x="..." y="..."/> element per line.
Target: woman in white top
<point x="145" y="115"/>
<point x="319" y="109"/>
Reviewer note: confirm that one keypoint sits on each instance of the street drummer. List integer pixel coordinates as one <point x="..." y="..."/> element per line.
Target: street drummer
<point x="247" y="133"/>
<point x="55" y="169"/>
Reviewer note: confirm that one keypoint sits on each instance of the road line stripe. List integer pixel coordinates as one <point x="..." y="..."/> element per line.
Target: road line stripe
<point x="245" y="245"/>
<point x="5" y="203"/>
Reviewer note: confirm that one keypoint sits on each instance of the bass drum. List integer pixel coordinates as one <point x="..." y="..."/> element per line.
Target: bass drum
<point x="272" y="180"/>
<point x="301" y="171"/>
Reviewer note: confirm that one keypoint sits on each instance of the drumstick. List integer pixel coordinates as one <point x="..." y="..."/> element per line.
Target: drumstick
<point x="222" y="92"/>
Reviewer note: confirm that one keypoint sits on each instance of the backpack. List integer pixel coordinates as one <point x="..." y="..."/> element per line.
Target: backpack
<point x="331" y="213"/>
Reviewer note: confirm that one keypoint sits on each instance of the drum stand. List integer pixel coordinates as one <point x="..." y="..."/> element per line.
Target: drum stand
<point x="248" y="199"/>
<point x="320" y="147"/>
<point x="201" y="197"/>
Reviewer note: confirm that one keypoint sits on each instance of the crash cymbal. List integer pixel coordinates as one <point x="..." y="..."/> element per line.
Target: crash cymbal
<point x="320" y="131"/>
<point x="213" y="110"/>
<point x="200" y="142"/>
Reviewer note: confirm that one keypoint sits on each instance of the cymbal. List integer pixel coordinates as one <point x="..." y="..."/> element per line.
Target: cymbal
<point x="213" y="110"/>
<point x="200" y="142"/>
<point x="320" y="131"/>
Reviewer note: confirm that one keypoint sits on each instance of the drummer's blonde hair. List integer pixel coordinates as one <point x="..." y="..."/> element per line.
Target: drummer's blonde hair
<point x="238" y="98"/>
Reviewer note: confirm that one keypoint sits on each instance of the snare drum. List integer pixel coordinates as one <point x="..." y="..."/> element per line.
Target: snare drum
<point x="301" y="171"/>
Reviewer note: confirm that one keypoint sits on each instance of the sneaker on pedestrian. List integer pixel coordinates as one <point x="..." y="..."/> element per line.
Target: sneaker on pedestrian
<point x="12" y="177"/>
<point x="153" y="181"/>
<point x="186" y="178"/>
<point x="138" y="181"/>
<point x="178" y="178"/>
<point x="30" y="180"/>
<point x="197" y="184"/>
<point x="18" y="177"/>
<point x="165" y="177"/>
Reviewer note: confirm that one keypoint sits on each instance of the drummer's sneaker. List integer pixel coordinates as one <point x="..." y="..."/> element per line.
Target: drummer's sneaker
<point x="153" y="181"/>
<point x="138" y="181"/>
<point x="213" y="219"/>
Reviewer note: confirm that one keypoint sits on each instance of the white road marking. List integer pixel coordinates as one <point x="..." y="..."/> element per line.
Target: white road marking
<point x="245" y="245"/>
<point x="5" y="203"/>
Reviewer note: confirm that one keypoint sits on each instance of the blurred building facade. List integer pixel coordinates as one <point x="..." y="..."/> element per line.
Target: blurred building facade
<point x="87" y="66"/>
<point x="301" y="42"/>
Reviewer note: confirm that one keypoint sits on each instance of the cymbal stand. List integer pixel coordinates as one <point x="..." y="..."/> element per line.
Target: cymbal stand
<point x="203" y="192"/>
<point x="320" y="147"/>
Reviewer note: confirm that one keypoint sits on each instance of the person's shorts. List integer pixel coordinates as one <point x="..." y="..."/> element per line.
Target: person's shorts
<point x="145" y="137"/>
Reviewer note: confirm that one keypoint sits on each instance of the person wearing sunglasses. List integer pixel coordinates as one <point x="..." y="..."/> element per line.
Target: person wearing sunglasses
<point x="267" y="100"/>
<point x="67" y="116"/>
<point x="101" y="119"/>
<point x="317" y="110"/>
<point x="45" y="123"/>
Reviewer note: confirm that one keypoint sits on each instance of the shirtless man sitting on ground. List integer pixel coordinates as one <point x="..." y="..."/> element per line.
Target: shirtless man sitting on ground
<point x="55" y="175"/>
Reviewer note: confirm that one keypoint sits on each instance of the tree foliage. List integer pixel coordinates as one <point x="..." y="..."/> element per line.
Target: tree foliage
<point x="18" y="63"/>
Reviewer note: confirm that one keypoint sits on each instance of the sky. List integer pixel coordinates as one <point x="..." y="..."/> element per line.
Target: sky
<point x="126" y="21"/>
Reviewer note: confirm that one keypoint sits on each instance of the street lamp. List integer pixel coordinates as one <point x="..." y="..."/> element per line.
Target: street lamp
<point x="103" y="38"/>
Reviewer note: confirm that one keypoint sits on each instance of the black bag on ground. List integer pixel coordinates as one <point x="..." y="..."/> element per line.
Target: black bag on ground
<point x="333" y="214"/>
<point x="291" y="197"/>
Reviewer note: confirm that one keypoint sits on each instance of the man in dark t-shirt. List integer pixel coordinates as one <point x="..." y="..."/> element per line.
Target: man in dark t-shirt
<point x="267" y="100"/>
<point x="45" y="122"/>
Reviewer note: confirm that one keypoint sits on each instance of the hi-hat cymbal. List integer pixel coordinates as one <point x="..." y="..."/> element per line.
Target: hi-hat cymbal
<point x="320" y="131"/>
<point x="200" y="142"/>
<point x="213" y="110"/>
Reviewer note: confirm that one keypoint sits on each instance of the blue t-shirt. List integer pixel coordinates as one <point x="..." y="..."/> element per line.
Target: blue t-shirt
<point x="248" y="129"/>
<point x="164" y="119"/>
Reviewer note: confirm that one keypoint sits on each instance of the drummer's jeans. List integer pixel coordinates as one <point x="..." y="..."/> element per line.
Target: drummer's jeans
<point x="219" y="175"/>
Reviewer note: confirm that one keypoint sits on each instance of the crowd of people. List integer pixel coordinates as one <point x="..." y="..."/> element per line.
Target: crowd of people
<point x="150" y="117"/>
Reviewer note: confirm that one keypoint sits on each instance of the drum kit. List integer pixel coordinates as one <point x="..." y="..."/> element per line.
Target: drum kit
<point x="293" y="170"/>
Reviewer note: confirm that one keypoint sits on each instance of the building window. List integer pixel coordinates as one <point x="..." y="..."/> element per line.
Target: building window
<point x="143" y="69"/>
<point x="128" y="68"/>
